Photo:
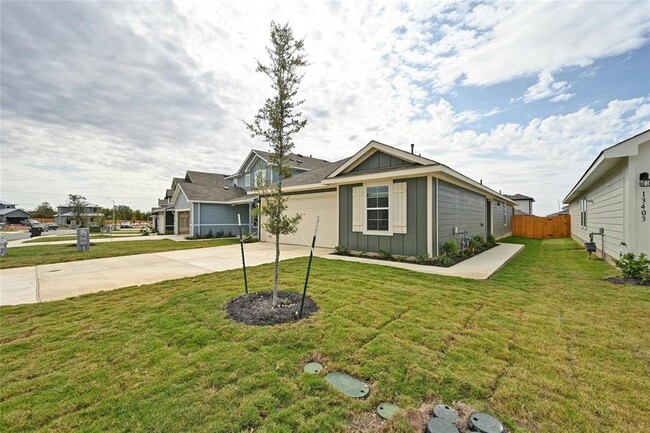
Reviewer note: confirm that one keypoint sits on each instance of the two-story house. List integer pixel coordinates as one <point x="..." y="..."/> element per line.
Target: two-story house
<point x="65" y="214"/>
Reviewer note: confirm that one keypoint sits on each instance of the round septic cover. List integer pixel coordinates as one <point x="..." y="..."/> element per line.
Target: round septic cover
<point x="387" y="410"/>
<point x="485" y="423"/>
<point x="313" y="368"/>
<point x="348" y="385"/>
<point x="439" y="425"/>
<point x="445" y="412"/>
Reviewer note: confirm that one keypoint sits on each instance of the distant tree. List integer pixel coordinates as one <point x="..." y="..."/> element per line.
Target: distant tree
<point x="78" y="206"/>
<point x="138" y="215"/>
<point x="107" y="212"/>
<point x="43" y="210"/>
<point x="276" y="122"/>
<point x="123" y="212"/>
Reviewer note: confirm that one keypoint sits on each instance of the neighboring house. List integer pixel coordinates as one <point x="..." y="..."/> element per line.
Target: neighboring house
<point x="383" y="198"/>
<point x="65" y="215"/>
<point x="525" y="203"/>
<point x="162" y="216"/>
<point x="10" y="215"/>
<point x="614" y="194"/>
<point x="205" y="202"/>
<point x="563" y="211"/>
<point x="257" y="168"/>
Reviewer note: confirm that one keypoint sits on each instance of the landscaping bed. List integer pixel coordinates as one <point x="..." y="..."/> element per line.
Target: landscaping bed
<point x="256" y="308"/>
<point x="453" y="253"/>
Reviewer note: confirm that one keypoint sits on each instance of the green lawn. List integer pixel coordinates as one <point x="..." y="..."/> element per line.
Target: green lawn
<point x="544" y="345"/>
<point x="44" y="254"/>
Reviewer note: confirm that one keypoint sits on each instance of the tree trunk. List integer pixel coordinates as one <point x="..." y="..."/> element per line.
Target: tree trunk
<point x="276" y="275"/>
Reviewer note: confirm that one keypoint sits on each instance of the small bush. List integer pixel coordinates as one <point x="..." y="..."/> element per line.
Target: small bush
<point x="474" y="245"/>
<point x="169" y="232"/>
<point x="219" y="234"/>
<point x="229" y="235"/>
<point x="478" y="239"/>
<point x="386" y="255"/>
<point x="490" y="241"/>
<point x="445" y="261"/>
<point x="450" y="247"/>
<point x="210" y="235"/>
<point x="633" y="267"/>
<point x="422" y="258"/>
<point x="400" y="258"/>
<point x="341" y="250"/>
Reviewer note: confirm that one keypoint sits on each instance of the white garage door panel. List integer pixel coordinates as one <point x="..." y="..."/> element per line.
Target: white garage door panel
<point x="312" y="205"/>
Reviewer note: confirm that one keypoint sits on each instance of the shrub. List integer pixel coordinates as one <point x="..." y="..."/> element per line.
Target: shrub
<point x="400" y="258"/>
<point x="386" y="255"/>
<point x="210" y="235"/>
<point x="219" y="234"/>
<point x="341" y="250"/>
<point x="229" y="235"/>
<point x="450" y="247"/>
<point x="474" y="245"/>
<point x="633" y="267"/>
<point x="445" y="260"/>
<point x="479" y="240"/>
<point x="490" y="241"/>
<point x="169" y="232"/>
<point x="422" y="258"/>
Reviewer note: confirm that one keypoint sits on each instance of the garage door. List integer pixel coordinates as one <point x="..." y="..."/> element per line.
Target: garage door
<point x="321" y="204"/>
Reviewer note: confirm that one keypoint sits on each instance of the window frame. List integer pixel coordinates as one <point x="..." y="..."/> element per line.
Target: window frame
<point x="366" y="231"/>
<point x="247" y="180"/>
<point x="583" y="212"/>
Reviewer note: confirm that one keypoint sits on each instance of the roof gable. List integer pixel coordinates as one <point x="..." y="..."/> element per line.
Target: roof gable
<point x="386" y="157"/>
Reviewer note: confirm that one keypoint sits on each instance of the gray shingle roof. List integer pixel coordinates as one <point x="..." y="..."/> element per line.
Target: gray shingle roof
<point x="196" y="192"/>
<point x="315" y="175"/>
<point x="519" y="197"/>
<point x="297" y="160"/>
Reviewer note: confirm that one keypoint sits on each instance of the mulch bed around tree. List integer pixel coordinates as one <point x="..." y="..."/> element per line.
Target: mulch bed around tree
<point x="255" y="308"/>
<point x="621" y="280"/>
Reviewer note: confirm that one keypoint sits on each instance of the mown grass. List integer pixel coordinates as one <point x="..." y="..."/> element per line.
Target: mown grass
<point x="544" y="345"/>
<point x="45" y="254"/>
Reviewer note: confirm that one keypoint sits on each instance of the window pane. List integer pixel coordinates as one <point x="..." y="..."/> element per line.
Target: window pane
<point x="383" y="225"/>
<point x="372" y="224"/>
<point x="383" y="214"/>
<point x="372" y="214"/>
<point x="382" y="202"/>
<point x="372" y="202"/>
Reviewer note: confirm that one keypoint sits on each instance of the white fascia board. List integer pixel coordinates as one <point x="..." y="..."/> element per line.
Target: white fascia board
<point x="374" y="146"/>
<point x="306" y="187"/>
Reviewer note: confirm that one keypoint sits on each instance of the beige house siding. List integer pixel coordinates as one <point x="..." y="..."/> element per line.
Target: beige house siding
<point x="605" y="208"/>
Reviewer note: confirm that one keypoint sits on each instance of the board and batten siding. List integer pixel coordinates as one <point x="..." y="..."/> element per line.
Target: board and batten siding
<point x="181" y="201"/>
<point x="379" y="160"/>
<point x="605" y="211"/>
<point x="218" y="217"/>
<point x="499" y="230"/>
<point x="458" y="207"/>
<point x="410" y="244"/>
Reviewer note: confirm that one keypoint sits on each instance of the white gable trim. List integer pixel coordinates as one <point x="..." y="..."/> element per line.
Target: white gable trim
<point x="373" y="147"/>
<point x="178" y="190"/>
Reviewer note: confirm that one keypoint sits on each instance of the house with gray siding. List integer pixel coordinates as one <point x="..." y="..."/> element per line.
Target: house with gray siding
<point x="384" y="198"/>
<point x="65" y="214"/>
<point x="10" y="215"/>
<point x="525" y="203"/>
<point x="205" y="203"/>
<point x="614" y="195"/>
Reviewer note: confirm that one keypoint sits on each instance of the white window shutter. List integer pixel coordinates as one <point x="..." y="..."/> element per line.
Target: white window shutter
<point x="398" y="207"/>
<point x="357" y="209"/>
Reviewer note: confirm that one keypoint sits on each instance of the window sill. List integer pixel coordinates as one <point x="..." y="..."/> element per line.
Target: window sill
<point x="377" y="233"/>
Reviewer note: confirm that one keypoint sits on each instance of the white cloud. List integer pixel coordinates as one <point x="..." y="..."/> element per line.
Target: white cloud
<point x="546" y="87"/>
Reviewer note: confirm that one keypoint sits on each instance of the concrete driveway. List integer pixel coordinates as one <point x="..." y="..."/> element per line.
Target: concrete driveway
<point x="63" y="280"/>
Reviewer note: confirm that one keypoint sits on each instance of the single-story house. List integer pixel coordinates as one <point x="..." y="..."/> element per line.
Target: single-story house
<point x="10" y="215"/>
<point x="614" y="194"/>
<point x="525" y="203"/>
<point x="384" y="198"/>
<point x="65" y="215"/>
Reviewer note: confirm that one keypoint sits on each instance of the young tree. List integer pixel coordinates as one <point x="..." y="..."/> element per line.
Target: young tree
<point x="78" y="208"/>
<point x="43" y="210"/>
<point x="276" y="123"/>
<point x="123" y="212"/>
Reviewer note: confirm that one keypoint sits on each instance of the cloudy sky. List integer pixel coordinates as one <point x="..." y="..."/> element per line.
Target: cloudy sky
<point x="113" y="99"/>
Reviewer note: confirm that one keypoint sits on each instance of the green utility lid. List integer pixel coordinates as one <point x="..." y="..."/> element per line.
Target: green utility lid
<point x="439" y="425"/>
<point x="387" y="410"/>
<point x="313" y="368"/>
<point x="348" y="385"/>
<point x="485" y="423"/>
<point x="445" y="412"/>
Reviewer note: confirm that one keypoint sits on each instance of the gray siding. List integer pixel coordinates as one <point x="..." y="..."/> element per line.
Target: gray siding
<point x="379" y="160"/>
<point x="498" y="229"/>
<point x="218" y="217"/>
<point x="411" y="243"/>
<point x="605" y="211"/>
<point x="181" y="201"/>
<point x="458" y="207"/>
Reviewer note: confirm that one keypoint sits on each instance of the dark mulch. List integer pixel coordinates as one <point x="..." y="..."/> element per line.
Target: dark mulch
<point x="621" y="280"/>
<point x="255" y="308"/>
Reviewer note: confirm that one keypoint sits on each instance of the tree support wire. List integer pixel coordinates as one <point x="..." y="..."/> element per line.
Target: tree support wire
<point x="311" y="256"/>
<point x="243" y="259"/>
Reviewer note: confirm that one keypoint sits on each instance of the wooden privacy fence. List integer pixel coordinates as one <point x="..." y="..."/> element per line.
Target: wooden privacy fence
<point x="529" y="226"/>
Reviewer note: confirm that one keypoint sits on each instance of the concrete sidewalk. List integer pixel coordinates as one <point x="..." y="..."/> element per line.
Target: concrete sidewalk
<point x="25" y="242"/>
<point x="63" y="280"/>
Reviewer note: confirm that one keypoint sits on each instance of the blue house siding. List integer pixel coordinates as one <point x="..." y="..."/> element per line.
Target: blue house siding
<point x="181" y="201"/>
<point x="218" y="217"/>
<point x="458" y="207"/>
<point x="413" y="242"/>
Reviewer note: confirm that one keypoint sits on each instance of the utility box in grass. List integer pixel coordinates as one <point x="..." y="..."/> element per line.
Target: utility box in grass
<point x="83" y="239"/>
